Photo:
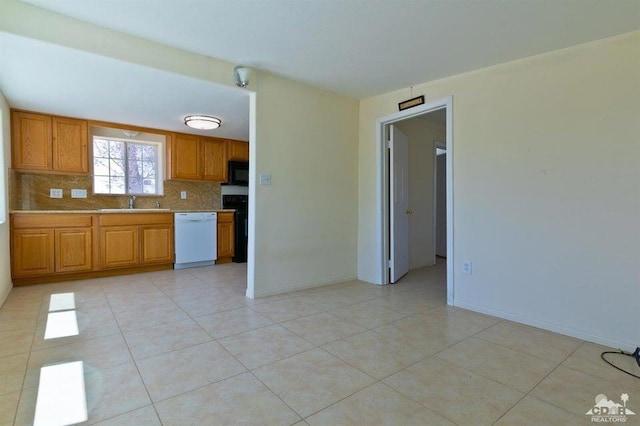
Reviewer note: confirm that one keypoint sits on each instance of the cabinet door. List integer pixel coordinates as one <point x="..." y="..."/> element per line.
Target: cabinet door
<point x="185" y="157"/>
<point x="226" y="233"/>
<point x="32" y="252"/>
<point x="238" y="150"/>
<point x="70" y="151"/>
<point x="119" y="246"/>
<point x="31" y="141"/>
<point x="214" y="159"/>
<point x="157" y="244"/>
<point x="73" y="249"/>
<point x="225" y="240"/>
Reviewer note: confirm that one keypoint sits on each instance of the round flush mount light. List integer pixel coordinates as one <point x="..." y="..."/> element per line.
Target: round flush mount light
<point x="202" y="122"/>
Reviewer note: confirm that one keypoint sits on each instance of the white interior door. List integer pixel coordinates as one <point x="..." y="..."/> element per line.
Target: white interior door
<point x="399" y="196"/>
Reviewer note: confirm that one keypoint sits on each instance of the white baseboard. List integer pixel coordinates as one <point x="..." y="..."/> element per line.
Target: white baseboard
<point x="628" y="346"/>
<point x="299" y="286"/>
<point x="5" y="296"/>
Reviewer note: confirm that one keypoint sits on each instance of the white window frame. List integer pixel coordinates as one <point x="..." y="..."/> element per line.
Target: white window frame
<point x="159" y="165"/>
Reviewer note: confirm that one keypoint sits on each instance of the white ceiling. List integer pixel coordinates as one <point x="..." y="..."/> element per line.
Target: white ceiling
<point x="43" y="77"/>
<point x="358" y="48"/>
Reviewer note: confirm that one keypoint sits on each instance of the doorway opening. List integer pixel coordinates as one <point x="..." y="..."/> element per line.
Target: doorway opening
<point x="399" y="204"/>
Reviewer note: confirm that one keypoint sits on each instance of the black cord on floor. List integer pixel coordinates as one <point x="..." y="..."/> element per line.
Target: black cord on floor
<point x="635" y="355"/>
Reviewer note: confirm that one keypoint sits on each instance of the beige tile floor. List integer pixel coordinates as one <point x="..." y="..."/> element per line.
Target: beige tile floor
<point x="187" y="348"/>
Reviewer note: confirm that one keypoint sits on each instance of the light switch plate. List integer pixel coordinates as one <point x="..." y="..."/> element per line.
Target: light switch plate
<point x="183" y="195"/>
<point x="265" y="179"/>
<point x="55" y="193"/>
<point x="78" y="193"/>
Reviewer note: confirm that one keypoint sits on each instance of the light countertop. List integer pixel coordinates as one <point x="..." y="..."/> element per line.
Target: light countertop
<point x="117" y="211"/>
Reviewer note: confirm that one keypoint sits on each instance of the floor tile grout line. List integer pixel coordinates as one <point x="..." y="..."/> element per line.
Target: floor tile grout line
<point x="26" y="368"/>
<point x="586" y="373"/>
<point x="276" y="395"/>
<point x="197" y="388"/>
<point x="133" y="360"/>
<point x="373" y="328"/>
<point x="516" y="350"/>
<point x="538" y="384"/>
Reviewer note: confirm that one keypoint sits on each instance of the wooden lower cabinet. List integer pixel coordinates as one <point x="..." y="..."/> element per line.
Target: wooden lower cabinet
<point x="73" y="249"/>
<point x="226" y="236"/>
<point x="157" y="244"/>
<point x="136" y="239"/>
<point x="64" y="246"/>
<point x="46" y="244"/>
<point x="32" y="252"/>
<point x="119" y="246"/>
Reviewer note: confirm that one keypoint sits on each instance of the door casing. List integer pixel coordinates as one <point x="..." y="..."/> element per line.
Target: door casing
<point x="382" y="188"/>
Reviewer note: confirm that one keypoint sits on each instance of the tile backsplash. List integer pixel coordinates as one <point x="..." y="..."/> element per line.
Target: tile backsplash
<point x="30" y="191"/>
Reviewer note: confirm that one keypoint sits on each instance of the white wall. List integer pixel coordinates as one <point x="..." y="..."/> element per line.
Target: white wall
<point x="421" y="134"/>
<point x="306" y="221"/>
<point x="5" y="162"/>
<point x="546" y="188"/>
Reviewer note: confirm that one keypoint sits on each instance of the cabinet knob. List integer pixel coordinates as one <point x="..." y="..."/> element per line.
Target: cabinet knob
<point x="409" y="212"/>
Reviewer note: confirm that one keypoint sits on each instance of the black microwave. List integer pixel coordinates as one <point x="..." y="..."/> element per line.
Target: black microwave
<point x="238" y="173"/>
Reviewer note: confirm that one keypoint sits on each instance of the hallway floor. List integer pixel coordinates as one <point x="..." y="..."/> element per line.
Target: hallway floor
<point x="187" y="348"/>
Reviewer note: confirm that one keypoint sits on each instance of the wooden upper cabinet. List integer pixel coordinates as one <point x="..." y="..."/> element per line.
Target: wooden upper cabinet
<point x="44" y="143"/>
<point x="214" y="164"/>
<point x="238" y="150"/>
<point x="185" y="156"/>
<point x="70" y="145"/>
<point x="197" y="158"/>
<point x="31" y="136"/>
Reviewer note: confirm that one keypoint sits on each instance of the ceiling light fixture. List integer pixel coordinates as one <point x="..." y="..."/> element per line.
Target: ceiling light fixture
<point x="241" y="76"/>
<point x="202" y="122"/>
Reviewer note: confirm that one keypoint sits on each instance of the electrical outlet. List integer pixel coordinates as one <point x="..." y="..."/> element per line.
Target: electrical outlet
<point x="467" y="267"/>
<point x="55" y="193"/>
<point x="265" y="179"/>
<point x="78" y="193"/>
<point x="183" y="195"/>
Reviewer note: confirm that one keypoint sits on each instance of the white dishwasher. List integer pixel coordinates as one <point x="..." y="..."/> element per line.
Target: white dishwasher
<point x="195" y="239"/>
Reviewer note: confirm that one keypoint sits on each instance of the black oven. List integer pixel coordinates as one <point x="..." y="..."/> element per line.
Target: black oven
<point x="239" y="173"/>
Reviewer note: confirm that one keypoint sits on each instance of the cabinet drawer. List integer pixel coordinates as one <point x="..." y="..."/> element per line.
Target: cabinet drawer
<point x="225" y="217"/>
<point x="125" y="219"/>
<point x="63" y="220"/>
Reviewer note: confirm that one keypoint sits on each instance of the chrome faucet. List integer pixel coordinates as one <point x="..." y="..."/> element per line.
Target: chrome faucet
<point x="131" y="200"/>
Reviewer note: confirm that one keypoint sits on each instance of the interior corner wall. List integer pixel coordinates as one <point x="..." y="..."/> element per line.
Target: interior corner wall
<point x="421" y="134"/>
<point x="5" y="162"/>
<point x="306" y="219"/>
<point x="546" y="188"/>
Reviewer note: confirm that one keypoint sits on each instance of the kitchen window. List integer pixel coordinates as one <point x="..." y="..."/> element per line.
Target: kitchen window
<point x="122" y="166"/>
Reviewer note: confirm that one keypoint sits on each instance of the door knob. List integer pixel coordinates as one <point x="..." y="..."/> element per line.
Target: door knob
<point x="409" y="211"/>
